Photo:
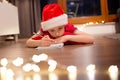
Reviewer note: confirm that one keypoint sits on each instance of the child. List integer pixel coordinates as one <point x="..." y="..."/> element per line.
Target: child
<point x="56" y="29"/>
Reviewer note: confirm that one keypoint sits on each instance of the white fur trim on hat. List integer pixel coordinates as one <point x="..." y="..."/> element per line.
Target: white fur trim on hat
<point x="54" y="22"/>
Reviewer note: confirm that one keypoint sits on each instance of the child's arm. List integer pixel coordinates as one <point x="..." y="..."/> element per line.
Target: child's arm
<point x="44" y="41"/>
<point x="78" y="36"/>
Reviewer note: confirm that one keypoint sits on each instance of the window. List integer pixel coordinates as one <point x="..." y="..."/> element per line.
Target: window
<point x="113" y="5"/>
<point x="84" y="11"/>
<point x="78" y="8"/>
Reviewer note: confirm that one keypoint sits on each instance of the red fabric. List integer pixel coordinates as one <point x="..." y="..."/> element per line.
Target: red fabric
<point x="69" y="30"/>
<point x="50" y="11"/>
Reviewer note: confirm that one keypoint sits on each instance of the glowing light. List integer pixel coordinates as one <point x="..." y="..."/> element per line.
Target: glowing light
<point x="35" y="68"/>
<point x="90" y="67"/>
<point x="27" y="67"/>
<point x="103" y="21"/>
<point x="52" y="64"/>
<point x="43" y="57"/>
<point x="20" y="77"/>
<point x="35" y="58"/>
<point x="91" y="71"/>
<point x="71" y="68"/>
<point x="72" y="75"/>
<point x="113" y="72"/>
<point x="18" y="62"/>
<point x="9" y="74"/>
<point x="37" y="77"/>
<point x="96" y="23"/>
<point x="90" y="23"/>
<point x="27" y="78"/>
<point x="53" y="76"/>
<point x="4" y="62"/>
<point x="3" y="73"/>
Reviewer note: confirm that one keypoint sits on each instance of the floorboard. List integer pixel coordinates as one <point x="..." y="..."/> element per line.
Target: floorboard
<point x="89" y="61"/>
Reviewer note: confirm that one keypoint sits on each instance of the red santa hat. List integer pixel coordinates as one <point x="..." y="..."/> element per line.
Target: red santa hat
<point x="53" y="16"/>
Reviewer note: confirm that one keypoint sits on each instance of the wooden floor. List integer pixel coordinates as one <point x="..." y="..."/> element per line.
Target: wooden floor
<point x="91" y="61"/>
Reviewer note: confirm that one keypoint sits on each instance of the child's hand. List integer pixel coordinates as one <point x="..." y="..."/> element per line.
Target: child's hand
<point x="47" y="41"/>
<point x="62" y="39"/>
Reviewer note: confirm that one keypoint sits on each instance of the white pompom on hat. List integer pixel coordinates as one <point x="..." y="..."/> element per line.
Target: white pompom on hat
<point x="53" y="16"/>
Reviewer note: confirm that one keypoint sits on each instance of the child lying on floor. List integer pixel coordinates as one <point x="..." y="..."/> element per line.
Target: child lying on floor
<point x="55" y="29"/>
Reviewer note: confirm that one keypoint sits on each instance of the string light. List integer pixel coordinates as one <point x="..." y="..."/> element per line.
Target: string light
<point x="52" y="64"/>
<point x="113" y="72"/>
<point x="36" y="58"/>
<point x="72" y="75"/>
<point x="18" y="61"/>
<point x="90" y="68"/>
<point x="37" y="77"/>
<point x="43" y="57"/>
<point x="4" y="61"/>
<point x="53" y="76"/>
<point x="72" y="70"/>
<point x="91" y="71"/>
<point x="35" y="68"/>
<point x="27" y="67"/>
<point x="9" y="74"/>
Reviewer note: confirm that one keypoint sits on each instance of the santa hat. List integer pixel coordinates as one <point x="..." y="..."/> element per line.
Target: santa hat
<point x="53" y="16"/>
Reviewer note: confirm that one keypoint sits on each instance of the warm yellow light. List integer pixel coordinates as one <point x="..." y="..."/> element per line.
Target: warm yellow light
<point x="96" y="23"/>
<point x="113" y="72"/>
<point x="113" y="68"/>
<point x="52" y="64"/>
<point x="71" y="68"/>
<point x="27" y="67"/>
<point x="35" y="68"/>
<point x="27" y="78"/>
<point x="43" y="57"/>
<point x="53" y="76"/>
<point x="19" y="77"/>
<point x="3" y="73"/>
<point x="91" y="71"/>
<point x="90" y="23"/>
<point x="18" y="62"/>
<point x="103" y="21"/>
<point x="36" y="58"/>
<point x="4" y="61"/>
<point x="9" y="74"/>
<point x="37" y="77"/>
<point x="90" y="67"/>
<point x="72" y="75"/>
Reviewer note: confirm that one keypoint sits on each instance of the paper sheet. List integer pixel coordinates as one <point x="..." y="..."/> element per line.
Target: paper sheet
<point x="53" y="46"/>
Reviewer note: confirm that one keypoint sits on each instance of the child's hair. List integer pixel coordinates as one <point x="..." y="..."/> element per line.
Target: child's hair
<point x="53" y="16"/>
